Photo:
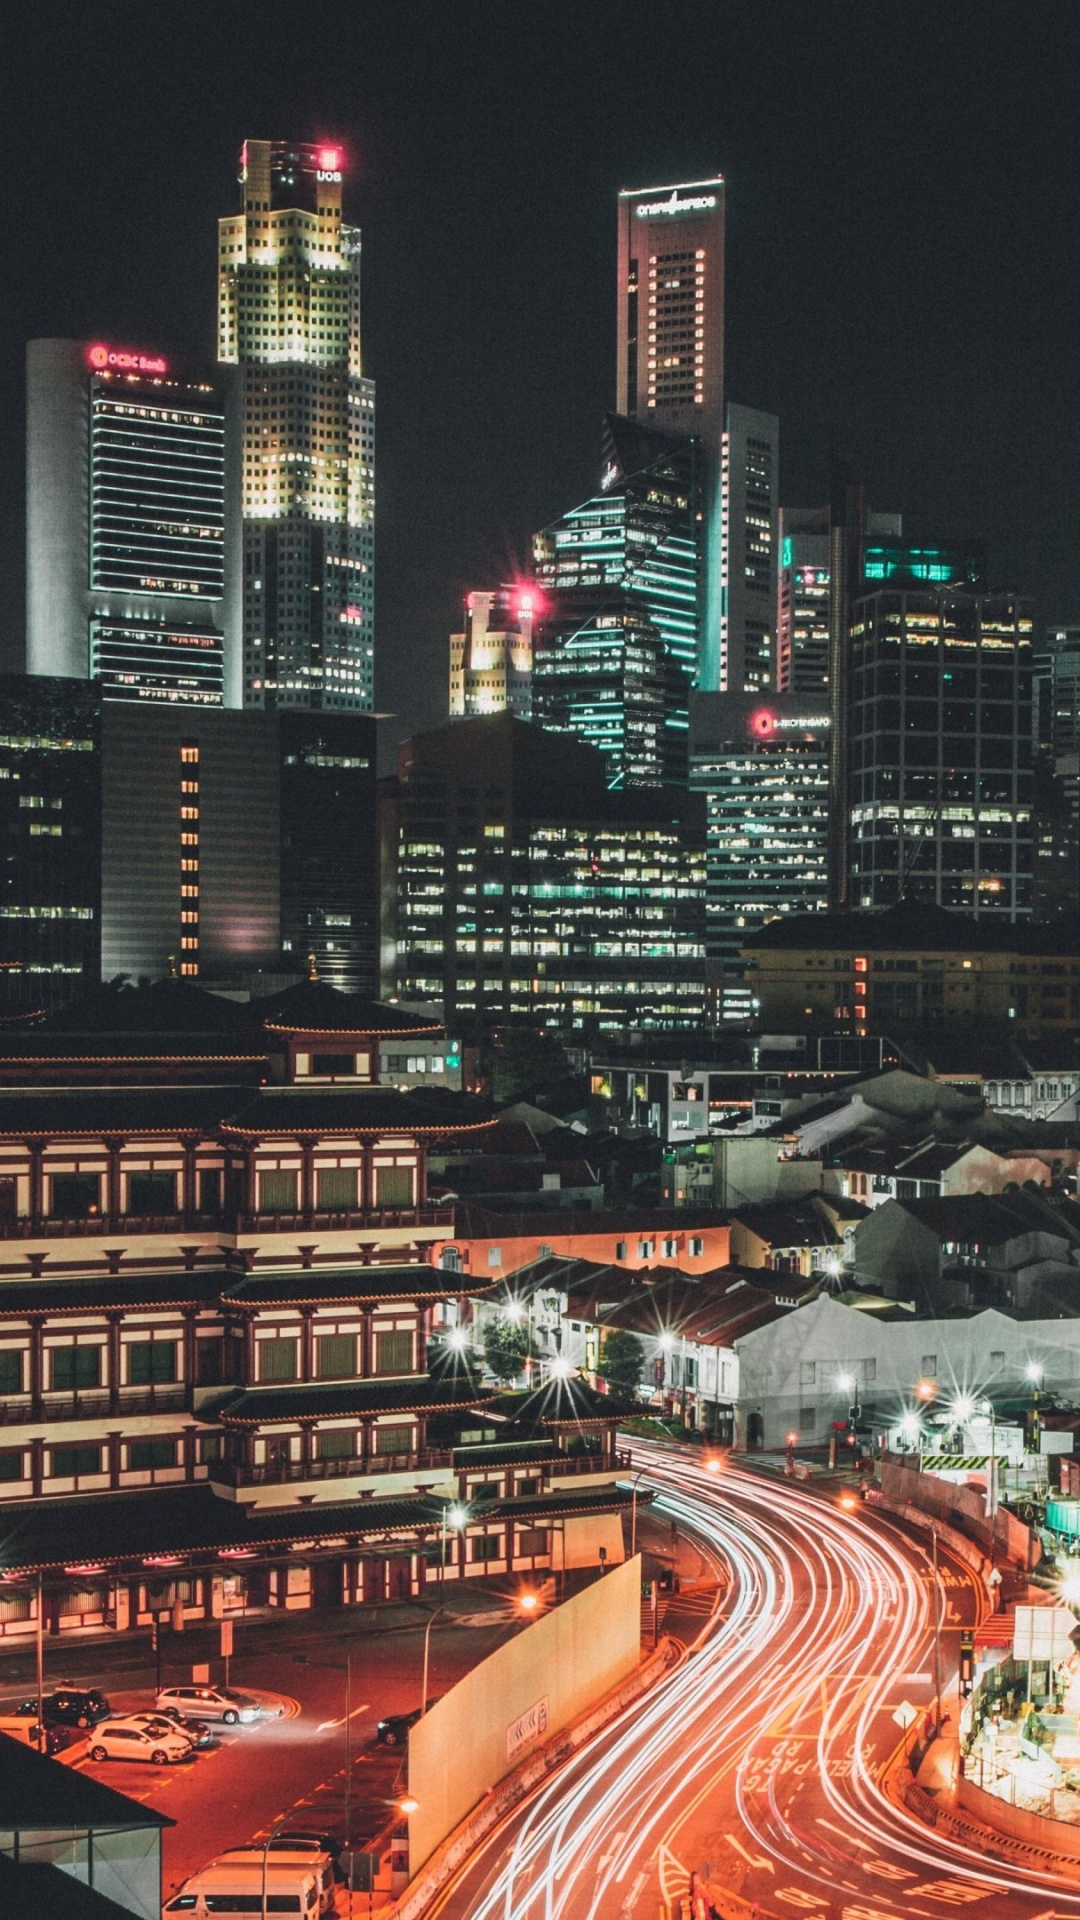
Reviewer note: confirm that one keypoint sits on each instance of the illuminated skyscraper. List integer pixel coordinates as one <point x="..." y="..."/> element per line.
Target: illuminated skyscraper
<point x="763" y="767"/>
<point x="939" y="718"/>
<point x="132" y="524"/>
<point x="491" y="660"/>
<point x="749" y="483"/>
<point x="670" y="328"/>
<point x="625" y="565"/>
<point x="289" y="317"/>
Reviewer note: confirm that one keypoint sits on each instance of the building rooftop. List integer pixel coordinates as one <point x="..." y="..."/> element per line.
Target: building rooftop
<point x="38" y="1793"/>
<point x="914" y="926"/>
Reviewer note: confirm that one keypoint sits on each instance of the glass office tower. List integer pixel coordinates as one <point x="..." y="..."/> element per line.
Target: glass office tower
<point x="289" y="318"/>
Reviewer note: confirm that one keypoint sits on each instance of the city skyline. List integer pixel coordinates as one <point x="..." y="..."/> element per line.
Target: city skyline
<point x="858" y="245"/>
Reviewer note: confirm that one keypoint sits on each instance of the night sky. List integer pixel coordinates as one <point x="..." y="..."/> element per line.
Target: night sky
<point x="903" y="208"/>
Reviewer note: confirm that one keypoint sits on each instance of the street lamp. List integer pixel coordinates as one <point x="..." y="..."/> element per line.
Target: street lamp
<point x="458" y="1517"/>
<point x="638" y="1477"/>
<point x="1034" y="1372"/>
<point x="427" y="1645"/>
<point x="848" y="1383"/>
<point x="335" y="1666"/>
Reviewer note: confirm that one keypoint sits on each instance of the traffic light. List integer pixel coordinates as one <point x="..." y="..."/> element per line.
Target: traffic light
<point x="967" y="1661"/>
<point x="453" y="1055"/>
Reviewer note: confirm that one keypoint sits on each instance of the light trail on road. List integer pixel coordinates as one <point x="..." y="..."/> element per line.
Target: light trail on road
<point x="758" y="1760"/>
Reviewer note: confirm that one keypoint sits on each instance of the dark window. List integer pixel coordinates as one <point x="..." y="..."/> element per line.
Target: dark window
<point x="486" y="1490"/>
<point x="526" y="1487"/>
<point x="9" y="1196"/>
<point x="487" y="1547"/>
<point x="11" y="1464"/>
<point x="75" y="1196"/>
<point x="69" y="1462"/>
<point x="323" y="1063"/>
<point x="144" y="1455"/>
<point x="151" y="1362"/>
<point x="339" y="1443"/>
<point x="150" y="1193"/>
<point x="210" y="1190"/>
<point x="336" y="1188"/>
<point x="208" y="1363"/>
<point x="393" y="1439"/>
<point x="393" y="1186"/>
<point x="533" y="1540"/>
<point x="11" y="1371"/>
<point x="393" y="1353"/>
<point x="209" y="1448"/>
<point x="277" y="1359"/>
<point x="335" y="1356"/>
<point x="75" y="1367"/>
<point x="277" y="1191"/>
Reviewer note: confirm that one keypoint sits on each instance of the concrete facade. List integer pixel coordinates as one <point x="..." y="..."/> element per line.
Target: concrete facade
<point x="790" y="1369"/>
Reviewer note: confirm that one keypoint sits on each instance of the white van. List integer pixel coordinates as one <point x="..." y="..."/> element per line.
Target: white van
<point x="228" y="1886"/>
<point x="285" y="1851"/>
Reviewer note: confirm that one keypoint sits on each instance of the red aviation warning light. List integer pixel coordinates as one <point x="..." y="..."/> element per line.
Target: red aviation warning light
<point x="329" y="163"/>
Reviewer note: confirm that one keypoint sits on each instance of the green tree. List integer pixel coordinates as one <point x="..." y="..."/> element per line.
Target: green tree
<point x="506" y="1348"/>
<point x="622" y="1362"/>
<point x="524" y="1058"/>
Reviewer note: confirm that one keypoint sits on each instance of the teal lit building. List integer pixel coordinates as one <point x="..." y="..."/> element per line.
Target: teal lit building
<point x="620" y="575"/>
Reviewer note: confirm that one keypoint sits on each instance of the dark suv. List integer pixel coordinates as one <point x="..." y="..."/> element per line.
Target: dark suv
<point x="71" y="1707"/>
<point x="394" y="1730"/>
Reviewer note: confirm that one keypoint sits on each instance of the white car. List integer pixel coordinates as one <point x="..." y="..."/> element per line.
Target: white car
<point x="157" y="1722"/>
<point x="132" y="1740"/>
<point x="209" y="1703"/>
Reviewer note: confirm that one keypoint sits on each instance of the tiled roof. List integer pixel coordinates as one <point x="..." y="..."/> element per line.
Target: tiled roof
<point x="314" y="1007"/>
<point x="167" y="1520"/>
<point x="123" y="1527"/>
<point x="252" y="1406"/>
<point x="356" y="1283"/>
<point x="247" y="1111"/>
<point x="344" y="1109"/>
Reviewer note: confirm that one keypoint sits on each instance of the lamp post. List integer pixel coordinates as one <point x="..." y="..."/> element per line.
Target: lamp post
<point x="1034" y="1373"/>
<point x="334" y="1666"/>
<point x="937" y="1635"/>
<point x="849" y="1384"/>
<point x="638" y="1477"/>
<point x="458" y="1517"/>
<point x="427" y="1647"/>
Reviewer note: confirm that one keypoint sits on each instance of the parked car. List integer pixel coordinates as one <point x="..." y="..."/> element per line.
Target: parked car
<point x="193" y="1731"/>
<point x="285" y="1850"/>
<point x="197" y="1730"/>
<point x="25" y="1726"/>
<point x="230" y="1886"/>
<point x="69" y="1706"/>
<point x="209" y="1703"/>
<point x="394" y="1730"/>
<point x="133" y="1740"/>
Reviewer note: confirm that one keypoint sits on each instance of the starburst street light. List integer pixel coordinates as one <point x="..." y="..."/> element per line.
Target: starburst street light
<point x="961" y="1410"/>
<point x="1034" y="1372"/>
<point x="1069" y="1589"/>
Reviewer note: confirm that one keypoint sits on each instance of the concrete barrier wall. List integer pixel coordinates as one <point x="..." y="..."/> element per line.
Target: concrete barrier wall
<point x="540" y="1681"/>
<point x="1058" y="1837"/>
<point x="903" y="1485"/>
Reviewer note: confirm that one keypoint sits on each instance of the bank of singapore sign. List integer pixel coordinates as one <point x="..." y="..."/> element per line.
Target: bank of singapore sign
<point x="701" y="203"/>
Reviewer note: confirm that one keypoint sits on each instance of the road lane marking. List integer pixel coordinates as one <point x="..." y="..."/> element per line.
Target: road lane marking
<point x="752" y="1859"/>
<point x="325" y="1724"/>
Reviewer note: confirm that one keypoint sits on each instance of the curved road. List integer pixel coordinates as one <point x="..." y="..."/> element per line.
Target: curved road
<point x="756" y="1763"/>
